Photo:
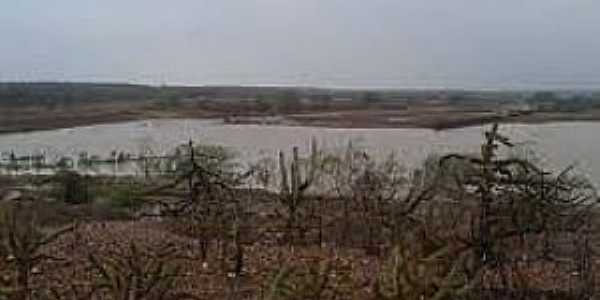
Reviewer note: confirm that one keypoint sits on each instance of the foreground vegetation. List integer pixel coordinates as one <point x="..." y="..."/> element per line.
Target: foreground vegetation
<point x="320" y="226"/>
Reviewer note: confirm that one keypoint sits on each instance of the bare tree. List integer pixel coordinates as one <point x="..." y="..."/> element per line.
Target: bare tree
<point x="519" y="210"/>
<point x="21" y="245"/>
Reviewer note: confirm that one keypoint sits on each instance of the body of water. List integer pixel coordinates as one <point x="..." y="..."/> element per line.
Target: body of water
<point x="557" y="145"/>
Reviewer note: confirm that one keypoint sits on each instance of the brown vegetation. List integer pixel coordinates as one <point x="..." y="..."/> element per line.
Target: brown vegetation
<point x="279" y="106"/>
<point x="335" y="226"/>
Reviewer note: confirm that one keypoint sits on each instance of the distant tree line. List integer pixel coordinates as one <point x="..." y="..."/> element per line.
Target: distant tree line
<point x="551" y="101"/>
<point x="51" y="94"/>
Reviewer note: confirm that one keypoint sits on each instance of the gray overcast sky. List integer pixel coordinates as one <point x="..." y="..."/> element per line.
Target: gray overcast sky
<point x="345" y="43"/>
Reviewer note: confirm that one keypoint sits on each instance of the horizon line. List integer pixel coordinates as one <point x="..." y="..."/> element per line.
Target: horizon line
<point x="309" y="86"/>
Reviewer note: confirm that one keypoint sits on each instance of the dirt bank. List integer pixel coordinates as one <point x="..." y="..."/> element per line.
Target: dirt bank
<point x="344" y="115"/>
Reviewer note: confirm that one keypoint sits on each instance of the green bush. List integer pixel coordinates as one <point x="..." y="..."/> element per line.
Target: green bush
<point x="124" y="197"/>
<point x="71" y="187"/>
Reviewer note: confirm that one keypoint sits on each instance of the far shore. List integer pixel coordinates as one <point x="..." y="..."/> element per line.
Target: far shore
<point x="440" y="118"/>
<point x="45" y="106"/>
